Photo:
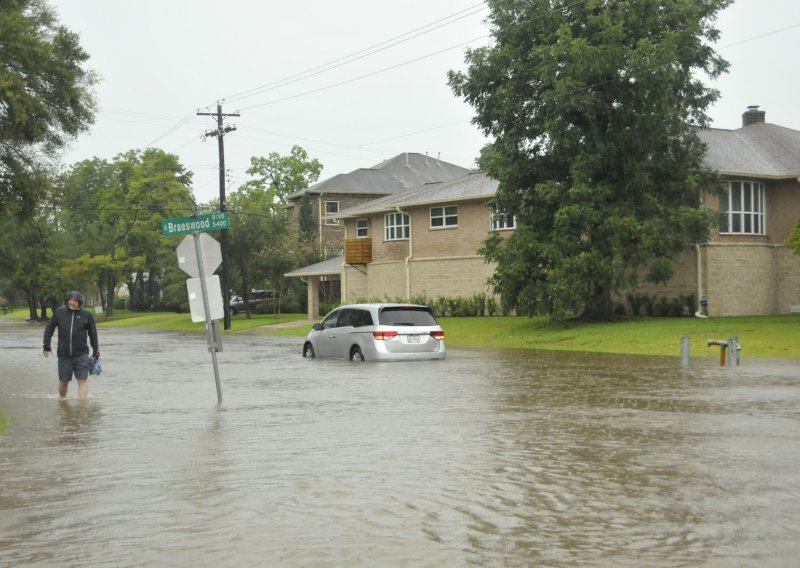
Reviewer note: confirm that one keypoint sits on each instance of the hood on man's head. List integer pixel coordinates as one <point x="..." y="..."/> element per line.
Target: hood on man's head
<point x="74" y="294"/>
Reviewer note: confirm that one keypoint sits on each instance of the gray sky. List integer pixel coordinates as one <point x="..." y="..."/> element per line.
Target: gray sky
<point x="353" y="82"/>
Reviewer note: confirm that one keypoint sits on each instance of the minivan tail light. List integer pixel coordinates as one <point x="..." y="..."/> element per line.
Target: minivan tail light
<point x="437" y="334"/>
<point x="384" y="335"/>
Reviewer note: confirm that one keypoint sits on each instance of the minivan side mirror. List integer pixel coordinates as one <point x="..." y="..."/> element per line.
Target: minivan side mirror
<point x="317" y="326"/>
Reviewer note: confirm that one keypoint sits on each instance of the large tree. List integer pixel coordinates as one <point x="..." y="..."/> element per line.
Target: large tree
<point x="113" y="211"/>
<point x="46" y="98"/>
<point x="592" y="107"/>
<point x="283" y="175"/>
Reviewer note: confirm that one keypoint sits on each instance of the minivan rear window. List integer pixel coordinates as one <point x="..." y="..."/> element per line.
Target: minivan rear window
<point x="410" y="315"/>
<point x="354" y="317"/>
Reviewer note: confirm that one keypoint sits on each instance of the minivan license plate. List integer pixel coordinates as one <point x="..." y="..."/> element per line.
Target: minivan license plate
<point x="413" y="338"/>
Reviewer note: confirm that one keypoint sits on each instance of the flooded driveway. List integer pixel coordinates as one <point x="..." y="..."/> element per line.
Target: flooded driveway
<point x="490" y="458"/>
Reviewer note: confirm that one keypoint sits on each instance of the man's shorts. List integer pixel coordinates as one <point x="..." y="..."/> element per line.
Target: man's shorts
<point x="68" y="365"/>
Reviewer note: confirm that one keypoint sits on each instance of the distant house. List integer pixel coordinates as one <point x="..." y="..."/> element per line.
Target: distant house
<point x="425" y="240"/>
<point x="344" y="191"/>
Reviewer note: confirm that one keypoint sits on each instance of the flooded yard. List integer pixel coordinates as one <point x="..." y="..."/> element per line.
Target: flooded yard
<point x="489" y="458"/>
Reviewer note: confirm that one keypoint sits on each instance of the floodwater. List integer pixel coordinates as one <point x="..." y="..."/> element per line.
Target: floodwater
<point x="490" y="458"/>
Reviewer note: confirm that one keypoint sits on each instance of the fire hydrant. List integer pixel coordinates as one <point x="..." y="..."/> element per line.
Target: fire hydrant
<point x="723" y="347"/>
<point x="733" y="343"/>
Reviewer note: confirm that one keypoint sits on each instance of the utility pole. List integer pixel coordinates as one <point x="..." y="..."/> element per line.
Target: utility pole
<point x="223" y="234"/>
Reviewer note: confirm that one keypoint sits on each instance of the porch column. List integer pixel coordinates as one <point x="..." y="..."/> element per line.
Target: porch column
<point x="313" y="298"/>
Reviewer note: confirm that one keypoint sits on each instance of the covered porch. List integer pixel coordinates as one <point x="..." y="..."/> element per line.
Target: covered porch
<point x="314" y="275"/>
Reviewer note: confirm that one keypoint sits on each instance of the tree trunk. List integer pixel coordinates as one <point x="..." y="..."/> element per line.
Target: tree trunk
<point x="32" y="315"/>
<point x="601" y="308"/>
<point x="152" y="289"/>
<point x="112" y="284"/>
<point x="43" y="307"/>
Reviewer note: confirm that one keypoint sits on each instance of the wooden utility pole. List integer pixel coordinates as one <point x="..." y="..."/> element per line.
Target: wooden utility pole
<point x="223" y="236"/>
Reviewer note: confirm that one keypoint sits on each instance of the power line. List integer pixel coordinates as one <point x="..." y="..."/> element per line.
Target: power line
<point x="360" y="54"/>
<point x="372" y="74"/>
<point x="173" y="129"/>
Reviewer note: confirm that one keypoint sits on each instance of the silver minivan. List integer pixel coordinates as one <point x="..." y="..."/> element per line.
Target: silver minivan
<point x="377" y="332"/>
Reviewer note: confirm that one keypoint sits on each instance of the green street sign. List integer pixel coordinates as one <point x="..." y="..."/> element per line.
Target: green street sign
<point x="186" y="225"/>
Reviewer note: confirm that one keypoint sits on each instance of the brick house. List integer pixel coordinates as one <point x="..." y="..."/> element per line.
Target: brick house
<point x="425" y="240"/>
<point x="344" y="191"/>
<point x="421" y="240"/>
<point x="745" y="268"/>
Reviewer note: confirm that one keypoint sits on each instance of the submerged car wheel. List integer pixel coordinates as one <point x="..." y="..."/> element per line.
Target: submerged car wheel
<point x="356" y="355"/>
<point x="308" y="351"/>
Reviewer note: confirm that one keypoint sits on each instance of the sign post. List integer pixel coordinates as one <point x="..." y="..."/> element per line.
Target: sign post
<point x="199" y="254"/>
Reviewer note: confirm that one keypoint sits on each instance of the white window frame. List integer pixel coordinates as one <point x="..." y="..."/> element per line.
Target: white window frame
<point x="444" y="217"/>
<point x="362" y="228"/>
<point x="500" y="222"/>
<point x="329" y="221"/>
<point x="743" y="208"/>
<point x="396" y="227"/>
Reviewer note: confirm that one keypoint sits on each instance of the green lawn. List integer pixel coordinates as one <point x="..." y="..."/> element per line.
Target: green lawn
<point x="759" y="336"/>
<point x="173" y="321"/>
<point x="767" y="336"/>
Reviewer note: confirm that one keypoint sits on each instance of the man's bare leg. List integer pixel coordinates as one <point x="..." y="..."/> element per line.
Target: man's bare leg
<point x="62" y="389"/>
<point x="83" y="389"/>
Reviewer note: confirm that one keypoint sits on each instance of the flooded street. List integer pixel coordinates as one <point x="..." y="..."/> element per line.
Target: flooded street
<point x="489" y="458"/>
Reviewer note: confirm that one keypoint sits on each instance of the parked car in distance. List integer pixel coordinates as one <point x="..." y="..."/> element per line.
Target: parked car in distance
<point x="377" y="332"/>
<point x="237" y="304"/>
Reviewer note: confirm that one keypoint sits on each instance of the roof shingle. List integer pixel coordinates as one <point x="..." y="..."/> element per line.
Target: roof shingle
<point x="759" y="150"/>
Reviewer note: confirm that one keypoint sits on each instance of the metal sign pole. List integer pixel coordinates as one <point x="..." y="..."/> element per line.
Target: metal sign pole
<point x="209" y="322"/>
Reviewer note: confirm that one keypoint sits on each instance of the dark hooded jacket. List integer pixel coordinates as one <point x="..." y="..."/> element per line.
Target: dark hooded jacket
<point x="74" y="326"/>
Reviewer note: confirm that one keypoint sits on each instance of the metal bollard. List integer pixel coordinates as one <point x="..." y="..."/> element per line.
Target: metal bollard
<point x="685" y="351"/>
<point x="733" y="347"/>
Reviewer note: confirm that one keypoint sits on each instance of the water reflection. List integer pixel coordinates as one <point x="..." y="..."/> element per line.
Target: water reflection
<point x="77" y="420"/>
<point x="491" y="458"/>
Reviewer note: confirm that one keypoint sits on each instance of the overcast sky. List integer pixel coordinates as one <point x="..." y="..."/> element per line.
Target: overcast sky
<point x="353" y="82"/>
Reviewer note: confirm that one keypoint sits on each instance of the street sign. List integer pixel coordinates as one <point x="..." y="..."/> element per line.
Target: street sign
<point x="186" y="225"/>
<point x="197" y="308"/>
<point x="210" y="254"/>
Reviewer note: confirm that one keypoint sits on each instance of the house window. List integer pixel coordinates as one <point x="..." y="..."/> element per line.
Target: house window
<point x="396" y="227"/>
<point x="331" y="208"/>
<point x="362" y="228"/>
<point x="444" y="217"/>
<point x="742" y="208"/>
<point x="500" y="222"/>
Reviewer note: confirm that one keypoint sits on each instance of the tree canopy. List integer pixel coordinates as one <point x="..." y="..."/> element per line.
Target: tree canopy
<point x="46" y="98"/>
<point x="121" y="205"/>
<point x="592" y="107"/>
<point x="281" y="176"/>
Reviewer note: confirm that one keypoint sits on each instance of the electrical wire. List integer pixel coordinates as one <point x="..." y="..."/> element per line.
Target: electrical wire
<point x="361" y="54"/>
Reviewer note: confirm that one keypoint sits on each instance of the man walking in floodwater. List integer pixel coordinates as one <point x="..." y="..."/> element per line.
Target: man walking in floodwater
<point x="75" y="325"/>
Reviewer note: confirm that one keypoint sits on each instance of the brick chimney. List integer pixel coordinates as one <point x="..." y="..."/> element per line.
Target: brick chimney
<point x="752" y="116"/>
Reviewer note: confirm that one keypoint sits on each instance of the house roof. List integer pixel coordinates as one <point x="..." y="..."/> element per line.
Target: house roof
<point x="475" y="185"/>
<point x="324" y="268"/>
<point x="395" y="174"/>
<point x="758" y="150"/>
